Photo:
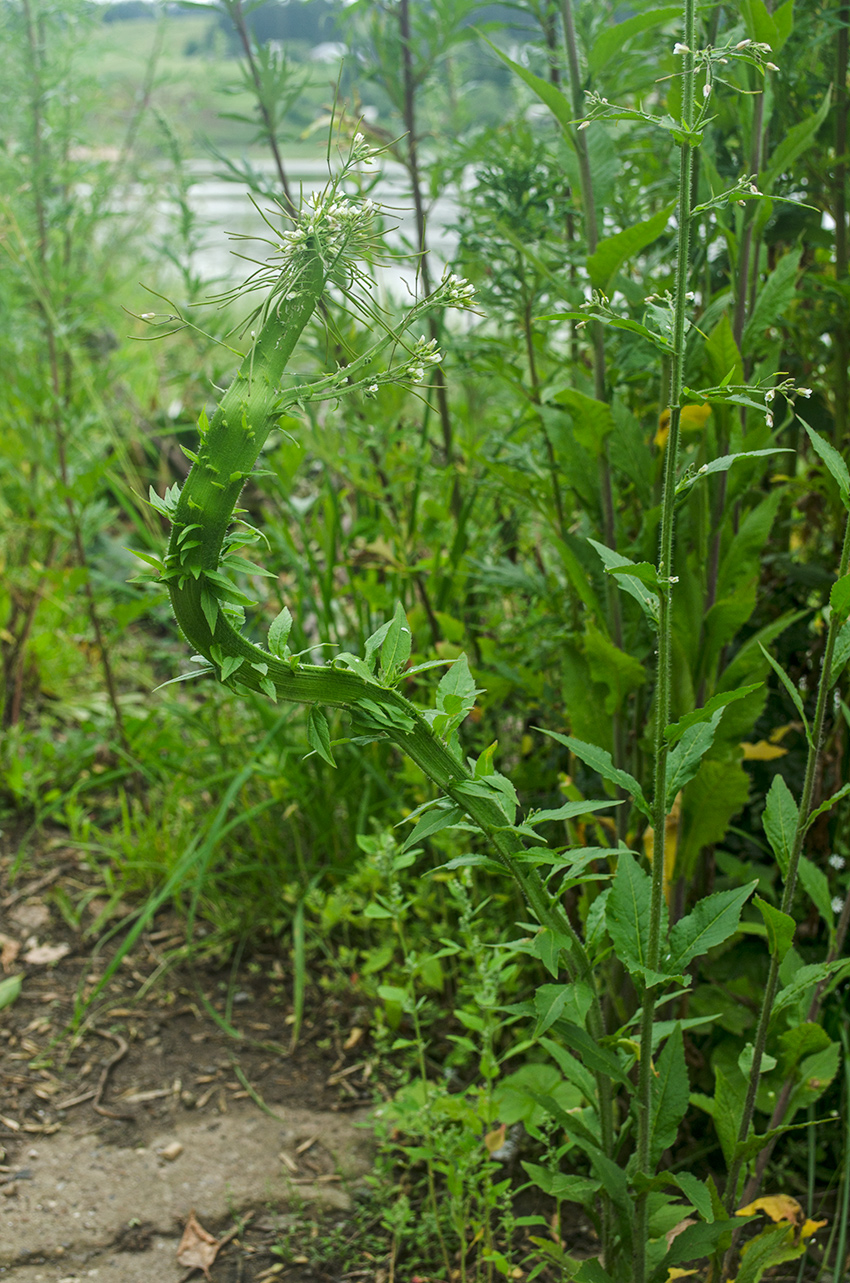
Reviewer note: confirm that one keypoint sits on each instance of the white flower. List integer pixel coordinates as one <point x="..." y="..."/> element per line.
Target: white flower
<point x="768" y="396"/>
<point x="680" y="48"/>
<point x="837" y="904"/>
<point x="372" y="388"/>
<point x="771" y="66"/>
<point x="415" y="373"/>
<point x="706" y="91"/>
<point x="769" y="419"/>
<point x="754" y="190"/>
<point x="148" y="316"/>
<point x="807" y="392"/>
<point x="837" y="861"/>
<point x="742" y="44"/>
<point x="585" y="124"/>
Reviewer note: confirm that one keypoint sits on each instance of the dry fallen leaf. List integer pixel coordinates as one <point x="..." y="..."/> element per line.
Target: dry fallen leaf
<point x="31" y="916"/>
<point x="42" y="955"/>
<point x="197" y="1248"/>
<point x="9" y="950"/>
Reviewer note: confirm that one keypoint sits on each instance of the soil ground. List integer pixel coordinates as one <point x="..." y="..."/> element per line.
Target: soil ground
<point x="112" y="1133"/>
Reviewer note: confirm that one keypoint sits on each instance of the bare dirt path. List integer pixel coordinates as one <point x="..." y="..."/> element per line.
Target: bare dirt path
<point x="178" y="1092"/>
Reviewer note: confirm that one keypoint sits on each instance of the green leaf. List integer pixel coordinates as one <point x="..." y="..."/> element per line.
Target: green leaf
<point x="816" y="886"/>
<point x="593" y="420"/>
<point x="545" y="91"/>
<point x="722" y="464"/>
<point x="723" y="355"/>
<point x="613" y="251"/>
<point x="685" y="759"/>
<point x="839" y="598"/>
<point x="616" y="1186"/>
<point x="230" y="665"/>
<point x="279" y="630"/>
<point x="597" y="1059"/>
<point x="780" y="927"/>
<point x="840" y="654"/>
<point x="10" y="989"/>
<point x="569" y="1189"/>
<point x="697" y="1193"/>
<point x="209" y="606"/>
<point x="791" y="689"/>
<point x="647" y="600"/>
<point x="319" y="734"/>
<point x="599" y="759"/>
<point x="570" y="1001"/>
<point x="642" y="570"/>
<point x="827" y="805"/>
<point x="780" y="821"/>
<point x="627" y="912"/>
<point x="670" y="1095"/>
<point x="677" y="729"/>
<point x="770" y="1247"/>
<point x="772" y="301"/>
<point x="433" y="822"/>
<point x="793" y="143"/>
<point x="729" y="1097"/>
<point x="569" y="811"/>
<point x="833" y="460"/>
<point x="617" y="670"/>
<point x="696" y="1242"/>
<point x="712" y="920"/>
<point x="612" y="38"/>
<point x="759" y="24"/>
<point x="395" y="650"/>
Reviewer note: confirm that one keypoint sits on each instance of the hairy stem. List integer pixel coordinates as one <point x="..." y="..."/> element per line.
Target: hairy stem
<point x="665" y="640"/>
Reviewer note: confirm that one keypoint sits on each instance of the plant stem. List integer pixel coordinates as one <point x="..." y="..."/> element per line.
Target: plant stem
<point x="842" y="329"/>
<point x="409" y="91"/>
<point x="237" y="17"/>
<point x="665" y="640"/>
<point x="812" y="764"/>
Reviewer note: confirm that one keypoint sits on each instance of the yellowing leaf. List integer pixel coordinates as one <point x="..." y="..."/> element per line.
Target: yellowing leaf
<point x="671" y="843"/>
<point x="811" y="1227"/>
<point x="762" y="751"/>
<point x="691" y="419"/>
<point x="779" y="1207"/>
<point x="676" y="1273"/>
<point x="777" y="736"/>
<point x="495" y="1140"/>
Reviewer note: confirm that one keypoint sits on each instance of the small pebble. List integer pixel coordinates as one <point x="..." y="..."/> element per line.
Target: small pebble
<point x="171" y="1152"/>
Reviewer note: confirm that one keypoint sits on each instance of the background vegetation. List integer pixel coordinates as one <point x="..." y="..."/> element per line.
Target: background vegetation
<point x="479" y="503"/>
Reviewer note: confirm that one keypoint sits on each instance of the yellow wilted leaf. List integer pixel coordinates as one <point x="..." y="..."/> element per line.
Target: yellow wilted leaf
<point x="671" y="842"/>
<point x="762" y="751"/>
<point x="810" y="1228"/>
<point x="777" y="736"/>
<point x="495" y="1140"/>
<point x="676" y="1273"/>
<point x="691" y="419"/>
<point x="779" y="1207"/>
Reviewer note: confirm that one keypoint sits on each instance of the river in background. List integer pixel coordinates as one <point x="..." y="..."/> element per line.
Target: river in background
<point x="224" y="211"/>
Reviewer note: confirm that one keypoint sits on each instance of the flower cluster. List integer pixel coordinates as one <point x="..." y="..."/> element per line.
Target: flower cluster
<point x="424" y="356"/>
<point x="454" y="291"/>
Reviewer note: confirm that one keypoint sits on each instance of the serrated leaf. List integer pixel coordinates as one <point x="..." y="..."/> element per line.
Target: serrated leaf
<point x="670" y="1095"/>
<point x="685" y="759"/>
<point x="568" y="1188"/>
<point x="839" y="598"/>
<point x="645" y="597"/>
<point x="319" y="734"/>
<point x="599" y="759"/>
<point x="675" y="731"/>
<point x="627" y="912"/>
<point x="780" y="927"/>
<point x="780" y="820"/>
<point x="697" y="1193"/>
<point x="712" y="921"/>
<point x="279" y="630"/>
<point x="597" y="1059"/>
<point x="569" y="811"/>
<point x="593" y="420"/>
